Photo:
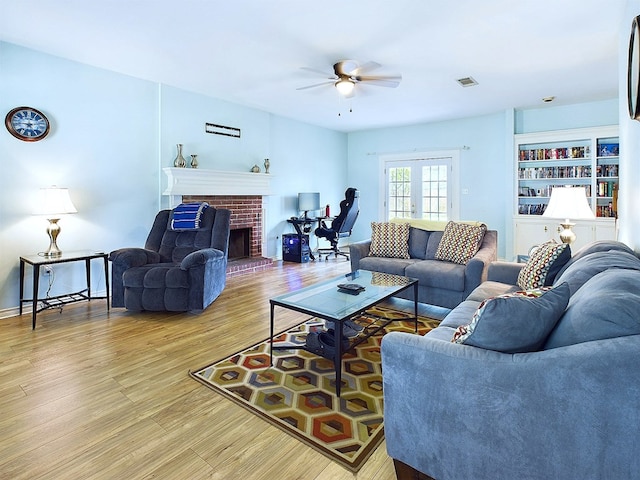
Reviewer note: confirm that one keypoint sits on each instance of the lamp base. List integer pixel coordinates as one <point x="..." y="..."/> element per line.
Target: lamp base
<point x="53" y="230"/>
<point x="567" y="235"/>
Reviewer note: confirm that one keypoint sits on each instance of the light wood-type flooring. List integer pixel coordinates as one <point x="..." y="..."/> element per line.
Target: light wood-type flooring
<point x="96" y="395"/>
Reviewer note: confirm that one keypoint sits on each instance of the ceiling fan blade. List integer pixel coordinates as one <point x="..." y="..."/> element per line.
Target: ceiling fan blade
<point x="391" y="81"/>
<point x="316" y="85"/>
<point x="344" y="67"/>
<point x="329" y="75"/>
<point x="365" y="68"/>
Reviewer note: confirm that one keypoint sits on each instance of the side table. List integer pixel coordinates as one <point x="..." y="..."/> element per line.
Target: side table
<point x="37" y="261"/>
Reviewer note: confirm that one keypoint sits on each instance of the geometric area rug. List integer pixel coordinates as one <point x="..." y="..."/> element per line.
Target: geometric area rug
<point x="297" y="394"/>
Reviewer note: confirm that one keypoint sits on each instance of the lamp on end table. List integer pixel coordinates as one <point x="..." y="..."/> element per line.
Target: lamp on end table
<point x="568" y="203"/>
<point x="54" y="202"/>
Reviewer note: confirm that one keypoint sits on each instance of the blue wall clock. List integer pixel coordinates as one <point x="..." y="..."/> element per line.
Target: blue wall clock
<point x="27" y="124"/>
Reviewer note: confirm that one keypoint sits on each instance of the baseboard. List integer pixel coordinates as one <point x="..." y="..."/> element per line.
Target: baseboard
<point x="12" y="312"/>
<point x="26" y="308"/>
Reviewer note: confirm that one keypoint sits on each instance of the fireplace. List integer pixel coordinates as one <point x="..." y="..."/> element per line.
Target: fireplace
<point x="245" y="238"/>
<point x="239" y="243"/>
<point x="240" y="192"/>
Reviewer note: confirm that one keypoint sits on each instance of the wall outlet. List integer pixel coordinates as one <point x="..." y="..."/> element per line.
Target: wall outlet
<point x="47" y="269"/>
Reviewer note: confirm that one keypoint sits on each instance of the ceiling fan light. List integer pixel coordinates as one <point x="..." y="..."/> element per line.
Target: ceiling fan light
<point x="345" y="87"/>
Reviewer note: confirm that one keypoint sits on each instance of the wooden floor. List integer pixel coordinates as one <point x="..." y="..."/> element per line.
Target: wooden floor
<point x="97" y="395"/>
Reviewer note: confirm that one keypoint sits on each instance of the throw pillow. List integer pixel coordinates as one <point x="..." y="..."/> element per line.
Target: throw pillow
<point x="460" y="242"/>
<point x="516" y="322"/>
<point x="389" y="240"/>
<point x="543" y="265"/>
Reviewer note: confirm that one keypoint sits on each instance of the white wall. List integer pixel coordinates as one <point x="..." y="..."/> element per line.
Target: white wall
<point x="111" y="135"/>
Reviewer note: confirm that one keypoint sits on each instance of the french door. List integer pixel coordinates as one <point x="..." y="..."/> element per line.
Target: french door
<point x="421" y="187"/>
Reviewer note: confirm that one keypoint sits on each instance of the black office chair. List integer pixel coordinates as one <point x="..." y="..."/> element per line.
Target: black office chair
<point x="341" y="226"/>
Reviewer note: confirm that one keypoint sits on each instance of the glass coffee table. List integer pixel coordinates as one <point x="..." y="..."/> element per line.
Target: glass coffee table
<point x="324" y="300"/>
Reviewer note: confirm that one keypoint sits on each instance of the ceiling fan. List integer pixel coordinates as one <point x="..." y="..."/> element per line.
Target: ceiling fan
<point x="348" y="73"/>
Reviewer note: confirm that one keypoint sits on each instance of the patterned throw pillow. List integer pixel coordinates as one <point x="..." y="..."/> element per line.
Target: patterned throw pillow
<point x="515" y="322"/>
<point x="460" y="242"/>
<point x="389" y="240"/>
<point x="543" y="265"/>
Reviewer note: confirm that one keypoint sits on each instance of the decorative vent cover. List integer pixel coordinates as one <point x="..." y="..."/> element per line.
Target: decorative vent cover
<point x="467" y="82"/>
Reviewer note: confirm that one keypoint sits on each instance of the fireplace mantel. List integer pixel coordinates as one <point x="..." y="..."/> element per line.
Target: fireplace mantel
<point x="195" y="181"/>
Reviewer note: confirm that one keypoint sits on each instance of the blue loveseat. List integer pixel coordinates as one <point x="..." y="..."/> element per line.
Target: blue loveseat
<point x="567" y="410"/>
<point x="441" y="283"/>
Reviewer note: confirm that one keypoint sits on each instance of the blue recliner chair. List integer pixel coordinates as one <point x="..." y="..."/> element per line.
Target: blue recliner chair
<point x="179" y="269"/>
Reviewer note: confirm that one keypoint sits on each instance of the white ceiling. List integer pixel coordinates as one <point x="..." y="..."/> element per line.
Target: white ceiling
<point x="250" y="51"/>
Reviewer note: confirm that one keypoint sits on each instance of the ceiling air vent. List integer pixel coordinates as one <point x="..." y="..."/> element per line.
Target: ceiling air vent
<point x="467" y="82"/>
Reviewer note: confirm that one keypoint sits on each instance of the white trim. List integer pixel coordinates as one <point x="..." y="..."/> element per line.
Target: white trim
<point x="192" y="181"/>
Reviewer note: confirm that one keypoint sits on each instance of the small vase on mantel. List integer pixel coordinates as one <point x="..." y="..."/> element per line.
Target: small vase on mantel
<point x="179" y="162"/>
<point x="267" y="163"/>
<point x="194" y="160"/>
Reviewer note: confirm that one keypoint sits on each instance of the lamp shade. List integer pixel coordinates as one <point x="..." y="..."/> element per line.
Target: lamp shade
<point x="55" y="201"/>
<point x="345" y="87"/>
<point x="568" y="203"/>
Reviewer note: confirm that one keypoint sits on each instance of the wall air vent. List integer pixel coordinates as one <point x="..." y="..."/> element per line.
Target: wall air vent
<point x="467" y="82"/>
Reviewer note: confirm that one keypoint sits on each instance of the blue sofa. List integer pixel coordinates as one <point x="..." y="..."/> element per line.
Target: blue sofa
<point x="441" y="283"/>
<point x="568" y="410"/>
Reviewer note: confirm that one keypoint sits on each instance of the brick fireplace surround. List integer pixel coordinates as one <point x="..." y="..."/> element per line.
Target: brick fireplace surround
<point x="246" y="212"/>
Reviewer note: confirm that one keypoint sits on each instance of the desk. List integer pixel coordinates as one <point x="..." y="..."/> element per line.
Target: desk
<point x="37" y="261"/>
<point x="303" y="225"/>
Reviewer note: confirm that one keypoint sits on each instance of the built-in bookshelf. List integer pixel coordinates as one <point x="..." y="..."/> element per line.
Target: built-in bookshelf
<point x="586" y="157"/>
<point x="607" y="176"/>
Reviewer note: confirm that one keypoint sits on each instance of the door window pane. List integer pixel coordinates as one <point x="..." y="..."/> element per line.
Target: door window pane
<point x="419" y="188"/>
<point x="434" y="192"/>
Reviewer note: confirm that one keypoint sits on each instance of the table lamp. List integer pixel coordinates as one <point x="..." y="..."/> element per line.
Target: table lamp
<point x="568" y="203"/>
<point x="54" y="202"/>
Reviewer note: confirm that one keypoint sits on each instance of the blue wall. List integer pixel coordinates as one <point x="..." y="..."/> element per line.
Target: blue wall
<point x="303" y="157"/>
<point x="486" y="158"/>
<point x="593" y="114"/>
<point x="485" y="168"/>
<point x="102" y="146"/>
<point x="629" y="199"/>
<point x="111" y="136"/>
